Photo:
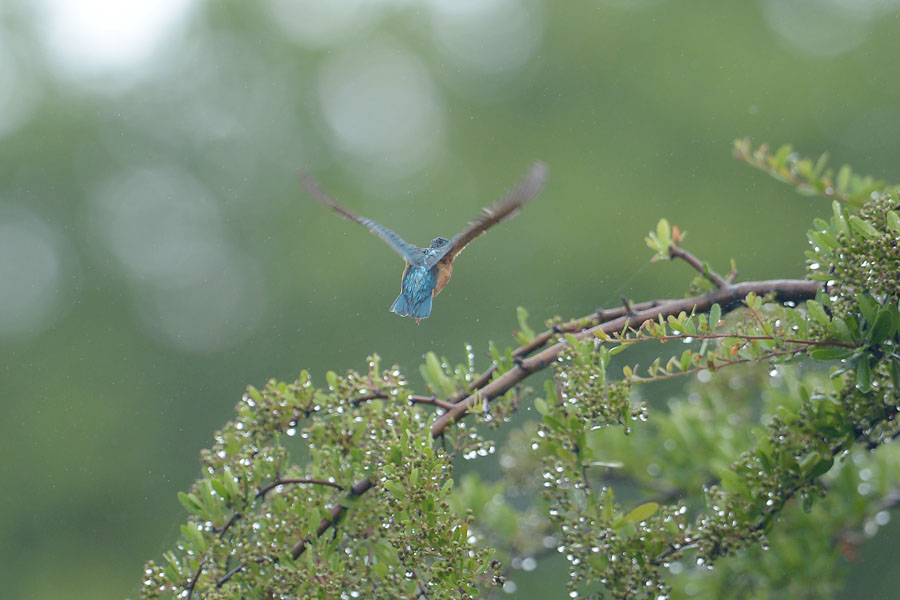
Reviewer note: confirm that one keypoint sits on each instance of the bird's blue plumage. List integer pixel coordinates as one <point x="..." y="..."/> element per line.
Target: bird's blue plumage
<point x="416" y="292"/>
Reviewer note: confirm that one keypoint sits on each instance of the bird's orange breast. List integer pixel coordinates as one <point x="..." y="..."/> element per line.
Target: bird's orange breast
<point x="443" y="276"/>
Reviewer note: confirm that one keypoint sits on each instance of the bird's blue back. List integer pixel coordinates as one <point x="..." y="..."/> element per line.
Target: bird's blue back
<point x="416" y="291"/>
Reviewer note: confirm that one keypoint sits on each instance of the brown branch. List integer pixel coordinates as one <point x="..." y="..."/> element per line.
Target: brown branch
<point x="540" y="340"/>
<point x="190" y="591"/>
<point x="703" y="269"/>
<point x="237" y="515"/>
<point x="234" y="571"/>
<point x="378" y="394"/>
<point x="268" y="488"/>
<point x="430" y="400"/>
<point x="334" y="515"/>
<point x="423" y="593"/>
<point x="727" y="297"/>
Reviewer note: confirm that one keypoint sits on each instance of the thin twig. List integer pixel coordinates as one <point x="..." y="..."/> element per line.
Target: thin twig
<point x="415" y="399"/>
<point x="265" y="490"/>
<point x="334" y="515"/>
<point x="703" y="269"/>
<point x="717" y="366"/>
<point x="728" y="297"/>
<point x="430" y="400"/>
<point x="601" y="316"/>
<point x="737" y="336"/>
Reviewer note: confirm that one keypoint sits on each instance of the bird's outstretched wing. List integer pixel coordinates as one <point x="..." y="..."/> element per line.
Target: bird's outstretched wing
<point x="411" y="253"/>
<point x="506" y="208"/>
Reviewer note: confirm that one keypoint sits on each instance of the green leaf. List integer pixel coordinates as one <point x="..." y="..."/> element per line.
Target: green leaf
<point x="385" y="553"/>
<point x="824" y="241"/>
<point x="893" y="221"/>
<point x="883" y="327"/>
<point x="331" y="379"/>
<point x="815" y="310"/>
<point x="689" y="327"/>
<point x="433" y="374"/>
<point x="192" y="534"/>
<point x="816" y="464"/>
<point x="526" y="333"/>
<point x="553" y="423"/>
<point x="664" y="234"/>
<point x="753" y="301"/>
<point x="765" y="460"/>
<point x="351" y="501"/>
<point x="191" y="503"/>
<point x="840" y="223"/>
<point x="715" y="315"/>
<point x="840" y="331"/>
<point x="675" y="324"/>
<point x="781" y="155"/>
<point x="540" y="405"/>
<point x="895" y="374"/>
<point x="231" y="483"/>
<point x="642" y="512"/>
<point x="820" y="166"/>
<point x="804" y="167"/>
<point x="220" y="488"/>
<point x="826" y="353"/>
<point x="617" y="349"/>
<point x="868" y="307"/>
<point x="864" y="374"/>
<point x="863" y="227"/>
<point x="394" y="488"/>
<point x="843" y="178"/>
<point x="734" y="483"/>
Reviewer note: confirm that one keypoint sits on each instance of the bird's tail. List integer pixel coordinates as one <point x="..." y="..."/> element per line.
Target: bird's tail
<point x="417" y="310"/>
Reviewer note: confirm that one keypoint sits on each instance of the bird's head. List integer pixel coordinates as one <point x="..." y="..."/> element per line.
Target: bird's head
<point x="439" y="242"/>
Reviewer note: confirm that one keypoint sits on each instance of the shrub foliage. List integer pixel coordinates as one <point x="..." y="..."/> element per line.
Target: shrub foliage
<point x="769" y="461"/>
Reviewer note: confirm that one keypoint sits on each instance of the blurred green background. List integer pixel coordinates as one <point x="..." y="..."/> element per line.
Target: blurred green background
<point x="157" y="255"/>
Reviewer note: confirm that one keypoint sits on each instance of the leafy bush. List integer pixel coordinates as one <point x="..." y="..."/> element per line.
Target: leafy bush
<point x="768" y="463"/>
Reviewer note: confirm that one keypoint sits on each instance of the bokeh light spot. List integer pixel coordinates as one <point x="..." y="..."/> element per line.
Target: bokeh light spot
<point x="91" y="36"/>
<point x="487" y="36"/>
<point x="333" y="22"/>
<point x="160" y="223"/>
<point x="31" y="270"/>
<point x="382" y="109"/>
<point x="824" y="28"/>
<point x="18" y="93"/>
<point x="213" y="313"/>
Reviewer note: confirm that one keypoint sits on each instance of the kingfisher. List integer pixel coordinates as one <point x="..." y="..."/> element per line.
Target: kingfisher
<point x="428" y="270"/>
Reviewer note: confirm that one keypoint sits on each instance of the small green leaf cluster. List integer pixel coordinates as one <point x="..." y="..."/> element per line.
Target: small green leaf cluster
<point x="706" y="433"/>
<point x="514" y="531"/>
<point x="604" y="544"/>
<point x="443" y="380"/>
<point x="762" y="331"/>
<point x="809" y="177"/>
<point x="858" y="253"/>
<point x="661" y="240"/>
<point x="582" y="391"/>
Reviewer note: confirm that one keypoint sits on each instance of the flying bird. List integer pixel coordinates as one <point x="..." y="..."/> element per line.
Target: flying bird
<point x="428" y="270"/>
